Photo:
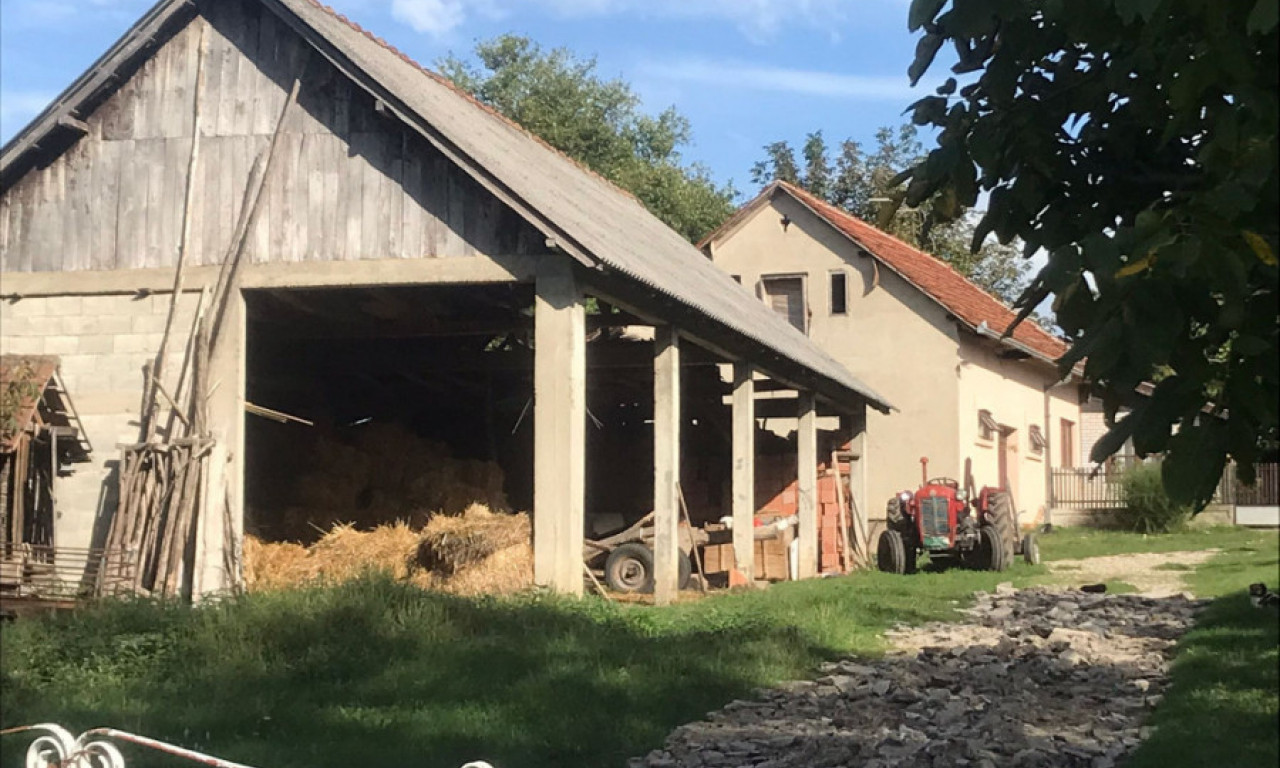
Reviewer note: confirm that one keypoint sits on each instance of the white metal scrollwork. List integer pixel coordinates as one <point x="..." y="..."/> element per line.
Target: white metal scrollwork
<point x="56" y="746"/>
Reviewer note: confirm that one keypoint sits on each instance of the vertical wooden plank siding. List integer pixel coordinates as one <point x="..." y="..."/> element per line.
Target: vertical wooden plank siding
<point x="353" y="184"/>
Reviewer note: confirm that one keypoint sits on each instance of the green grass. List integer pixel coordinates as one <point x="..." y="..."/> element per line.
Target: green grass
<point x="1224" y="702"/>
<point x="1076" y="543"/>
<point x="376" y="673"/>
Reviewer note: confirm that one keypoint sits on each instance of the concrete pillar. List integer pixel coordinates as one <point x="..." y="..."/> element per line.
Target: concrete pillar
<point x="744" y="470"/>
<point x="863" y="549"/>
<point x="559" y="423"/>
<point x="219" y="556"/>
<point x="666" y="464"/>
<point x="807" y="486"/>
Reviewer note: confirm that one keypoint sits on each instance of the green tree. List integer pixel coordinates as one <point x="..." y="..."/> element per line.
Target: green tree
<point x="564" y="101"/>
<point x="1135" y="142"/>
<point x="861" y="182"/>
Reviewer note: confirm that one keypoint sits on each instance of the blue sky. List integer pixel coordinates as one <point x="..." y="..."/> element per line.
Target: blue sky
<point x="745" y="72"/>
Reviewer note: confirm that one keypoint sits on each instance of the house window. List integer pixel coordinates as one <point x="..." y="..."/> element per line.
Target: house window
<point x="1037" y="439"/>
<point x="839" y="295"/>
<point x="987" y="426"/>
<point x="1066" y="432"/>
<point x="785" y="295"/>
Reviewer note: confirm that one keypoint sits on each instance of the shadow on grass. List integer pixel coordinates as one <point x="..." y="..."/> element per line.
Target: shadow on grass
<point x="1224" y="702"/>
<point x="374" y="673"/>
<point x="378" y="673"/>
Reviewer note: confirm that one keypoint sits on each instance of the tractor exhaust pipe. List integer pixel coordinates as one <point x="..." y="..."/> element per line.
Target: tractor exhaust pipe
<point x="924" y="470"/>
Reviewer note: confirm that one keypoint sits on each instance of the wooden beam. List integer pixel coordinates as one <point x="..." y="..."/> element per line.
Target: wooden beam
<point x="666" y="464"/>
<point x="807" y="486"/>
<point x="744" y="470"/>
<point x="559" y="418"/>
<point x="319" y="274"/>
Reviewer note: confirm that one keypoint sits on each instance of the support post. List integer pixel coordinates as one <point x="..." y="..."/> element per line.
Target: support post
<point x="807" y="486"/>
<point x="220" y="519"/>
<point x="862" y="547"/>
<point x="559" y="424"/>
<point x="666" y="464"/>
<point x="744" y="471"/>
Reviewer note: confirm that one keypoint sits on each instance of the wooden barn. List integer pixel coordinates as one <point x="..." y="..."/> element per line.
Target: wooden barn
<point x="255" y="207"/>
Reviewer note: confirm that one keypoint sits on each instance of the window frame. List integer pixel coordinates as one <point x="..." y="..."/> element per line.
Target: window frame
<point x="803" y="277"/>
<point x="843" y="277"/>
<point x="988" y="427"/>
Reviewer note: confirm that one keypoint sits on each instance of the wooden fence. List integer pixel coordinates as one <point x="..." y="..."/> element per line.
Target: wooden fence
<point x="1089" y="488"/>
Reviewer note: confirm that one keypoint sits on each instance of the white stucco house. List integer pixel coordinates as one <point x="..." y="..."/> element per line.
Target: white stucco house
<point x="914" y="328"/>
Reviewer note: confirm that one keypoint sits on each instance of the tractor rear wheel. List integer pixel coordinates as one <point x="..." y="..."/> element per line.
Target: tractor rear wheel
<point x="993" y="555"/>
<point x="891" y="553"/>
<point x="1002" y="515"/>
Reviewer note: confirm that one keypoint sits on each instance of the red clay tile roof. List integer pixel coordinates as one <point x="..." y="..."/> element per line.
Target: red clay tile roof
<point x="968" y="302"/>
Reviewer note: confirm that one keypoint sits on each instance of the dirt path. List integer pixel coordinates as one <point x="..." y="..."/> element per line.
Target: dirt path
<point x="1157" y="574"/>
<point x="1037" y="678"/>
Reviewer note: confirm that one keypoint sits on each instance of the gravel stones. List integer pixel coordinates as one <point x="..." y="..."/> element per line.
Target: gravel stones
<point x="1034" y="678"/>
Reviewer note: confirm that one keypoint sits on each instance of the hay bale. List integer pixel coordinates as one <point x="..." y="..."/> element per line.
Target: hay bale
<point x="344" y="553"/>
<point x="450" y="544"/>
<point x="504" y="572"/>
<point x="274" y="564"/>
<point x="381" y="472"/>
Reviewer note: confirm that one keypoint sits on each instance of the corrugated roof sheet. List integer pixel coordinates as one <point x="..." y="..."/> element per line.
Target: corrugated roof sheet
<point x="937" y="279"/>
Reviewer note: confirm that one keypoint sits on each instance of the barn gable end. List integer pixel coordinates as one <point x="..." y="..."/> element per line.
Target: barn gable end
<point x="371" y="188"/>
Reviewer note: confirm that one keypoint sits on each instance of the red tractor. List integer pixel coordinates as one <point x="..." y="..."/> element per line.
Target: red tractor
<point x="953" y="526"/>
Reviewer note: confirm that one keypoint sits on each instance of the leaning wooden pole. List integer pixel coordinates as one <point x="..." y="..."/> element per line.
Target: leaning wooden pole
<point x="184" y="246"/>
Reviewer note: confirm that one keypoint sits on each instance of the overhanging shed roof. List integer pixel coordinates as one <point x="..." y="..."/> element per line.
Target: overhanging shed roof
<point x="588" y="218"/>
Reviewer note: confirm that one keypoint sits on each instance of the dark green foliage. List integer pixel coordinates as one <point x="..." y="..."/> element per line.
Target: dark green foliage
<point x="561" y="99"/>
<point x="1135" y="143"/>
<point x="863" y="183"/>
<point x="1148" y="508"/>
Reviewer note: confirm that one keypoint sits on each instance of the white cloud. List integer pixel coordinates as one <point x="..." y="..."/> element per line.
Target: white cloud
<point x="758" y="20"/>
<point x="434" y="17"/>
<point x="744" y="76"/>
<point x="18" y="107"/>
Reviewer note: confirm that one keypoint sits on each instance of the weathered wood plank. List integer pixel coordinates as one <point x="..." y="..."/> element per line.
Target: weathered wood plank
<point x="358" y="187"/>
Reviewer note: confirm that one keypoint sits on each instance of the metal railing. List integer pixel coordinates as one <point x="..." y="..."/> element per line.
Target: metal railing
<point x="1101" y="488"/>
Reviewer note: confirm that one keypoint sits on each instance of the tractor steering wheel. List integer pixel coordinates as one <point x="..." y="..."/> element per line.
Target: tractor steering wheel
<point x="943" y="481"/>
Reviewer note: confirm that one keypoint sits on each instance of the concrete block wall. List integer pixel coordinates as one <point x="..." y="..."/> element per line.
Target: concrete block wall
<point x="103" y="343"/>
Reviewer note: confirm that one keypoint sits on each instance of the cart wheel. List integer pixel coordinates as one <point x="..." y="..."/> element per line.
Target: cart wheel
<point x="1031" y="549"/>
<point x="630" y="568"/>
<point x="686" y="569"/>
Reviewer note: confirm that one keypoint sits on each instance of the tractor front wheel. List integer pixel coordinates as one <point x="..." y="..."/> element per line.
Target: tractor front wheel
<point x="891" y="553"/>
<point x="993" y="554"/>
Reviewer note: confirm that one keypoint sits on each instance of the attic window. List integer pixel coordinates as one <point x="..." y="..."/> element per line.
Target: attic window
<point x="987" y="426"/>
<point x="1038" y="442"/>
<point x="839" y="293"/>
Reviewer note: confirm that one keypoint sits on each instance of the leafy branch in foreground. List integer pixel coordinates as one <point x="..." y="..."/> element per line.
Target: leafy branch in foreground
<point x="1135" y="143"/>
